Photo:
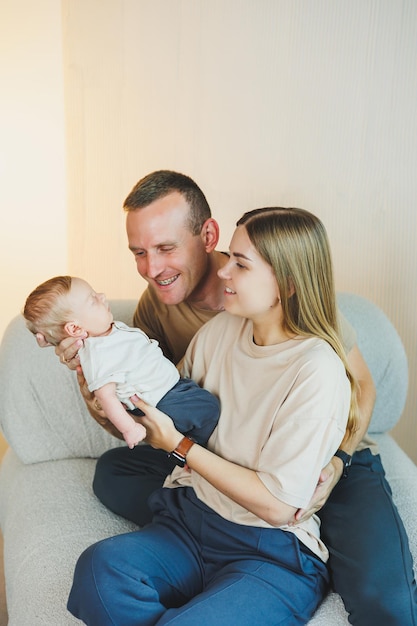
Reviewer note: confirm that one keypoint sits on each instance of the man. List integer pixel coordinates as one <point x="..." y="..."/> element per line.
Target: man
<point x="173" y="238"/>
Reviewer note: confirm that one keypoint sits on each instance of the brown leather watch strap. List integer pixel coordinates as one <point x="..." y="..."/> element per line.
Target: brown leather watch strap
<point x="184" y="446"/>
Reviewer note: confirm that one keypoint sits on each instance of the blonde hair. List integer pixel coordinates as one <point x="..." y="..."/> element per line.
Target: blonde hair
<point x="46" y="310"/>
<point x="294" y="243"/>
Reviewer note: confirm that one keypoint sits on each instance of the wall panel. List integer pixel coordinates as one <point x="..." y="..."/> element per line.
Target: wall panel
<point x="275" y="102"/>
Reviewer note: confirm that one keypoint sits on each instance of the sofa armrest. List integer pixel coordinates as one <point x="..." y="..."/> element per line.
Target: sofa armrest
<point x="42" y="414"/>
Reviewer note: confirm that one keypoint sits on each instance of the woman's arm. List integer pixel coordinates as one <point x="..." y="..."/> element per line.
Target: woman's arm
<point x="332" y="473"/>
<point x="240" y="484"/>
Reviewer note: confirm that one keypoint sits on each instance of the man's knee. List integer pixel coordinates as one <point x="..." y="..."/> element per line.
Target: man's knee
<point x="396" y="606"/>
<point x="103" y="475"/>
<point x="124" y="479"/>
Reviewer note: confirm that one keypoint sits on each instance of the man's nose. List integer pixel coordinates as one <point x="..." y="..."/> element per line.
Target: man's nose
<point x="154" y="265"/>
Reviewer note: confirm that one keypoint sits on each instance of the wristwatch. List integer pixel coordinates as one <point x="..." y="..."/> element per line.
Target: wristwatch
<point x="180" y="453"/>
<point x="346" y="459"/>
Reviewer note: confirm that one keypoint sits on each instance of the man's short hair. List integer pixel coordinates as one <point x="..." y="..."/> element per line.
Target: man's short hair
<point x="163" y="182"/>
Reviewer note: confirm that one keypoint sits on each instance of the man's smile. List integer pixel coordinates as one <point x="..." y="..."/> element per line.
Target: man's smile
<point x="167" y="281"/>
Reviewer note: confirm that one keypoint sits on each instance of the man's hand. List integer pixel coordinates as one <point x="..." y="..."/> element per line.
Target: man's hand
<point x="329" y="477"/>
<point x="42" y="342"/>
<point x="67" y="351"/>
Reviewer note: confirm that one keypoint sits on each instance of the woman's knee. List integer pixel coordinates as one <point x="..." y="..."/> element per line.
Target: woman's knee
<point x="84" y="594"/>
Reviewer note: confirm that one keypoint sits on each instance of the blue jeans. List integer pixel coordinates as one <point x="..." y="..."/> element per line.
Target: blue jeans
<point x="370" y="561"/>
<point x="190" y="566"/>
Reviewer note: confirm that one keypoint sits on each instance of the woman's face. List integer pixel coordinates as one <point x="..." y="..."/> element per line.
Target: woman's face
<point x="251" y="288"/>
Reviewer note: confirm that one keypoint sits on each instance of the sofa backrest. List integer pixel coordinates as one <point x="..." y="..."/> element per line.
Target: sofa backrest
<point x="43" y="416"/>
<point x="385" y="356"/>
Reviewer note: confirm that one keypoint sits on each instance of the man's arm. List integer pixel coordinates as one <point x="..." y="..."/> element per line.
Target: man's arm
<point x="366" y="401"/>
<point x="330" y="475"/>
<point x="94" y="407"/>
<point x="67" y="352"/>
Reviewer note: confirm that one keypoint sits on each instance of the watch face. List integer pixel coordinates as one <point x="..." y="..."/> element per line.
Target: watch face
<point x="178" y="458"/>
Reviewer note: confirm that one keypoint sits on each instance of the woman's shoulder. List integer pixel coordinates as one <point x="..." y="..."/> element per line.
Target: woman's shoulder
<point x="319" y="358"/>
<point x="217" y="332"/>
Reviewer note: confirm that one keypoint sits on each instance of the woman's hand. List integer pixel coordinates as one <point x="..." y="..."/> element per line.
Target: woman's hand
<point x="67" y="351"/>
<point x="329" y="477"/>
<point x="160" y="429"/>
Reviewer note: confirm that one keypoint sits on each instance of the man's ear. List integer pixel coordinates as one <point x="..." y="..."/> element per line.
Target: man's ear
<point x="210" y="234"/>
<point x="73" y="330"/>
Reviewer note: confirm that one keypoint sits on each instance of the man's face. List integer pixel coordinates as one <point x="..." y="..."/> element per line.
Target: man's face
<point x="168" y="256"/>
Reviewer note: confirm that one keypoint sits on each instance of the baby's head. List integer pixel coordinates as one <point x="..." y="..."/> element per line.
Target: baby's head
<point x="65" y="306"/>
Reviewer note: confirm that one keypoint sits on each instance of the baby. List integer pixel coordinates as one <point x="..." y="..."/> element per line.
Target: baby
<point x="118" y="361"/>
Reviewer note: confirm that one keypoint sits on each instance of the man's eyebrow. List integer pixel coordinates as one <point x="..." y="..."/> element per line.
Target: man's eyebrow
<point x="163" y="244"/>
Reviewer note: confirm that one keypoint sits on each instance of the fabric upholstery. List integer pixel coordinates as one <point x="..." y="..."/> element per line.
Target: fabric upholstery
<point x="48" y="512"/>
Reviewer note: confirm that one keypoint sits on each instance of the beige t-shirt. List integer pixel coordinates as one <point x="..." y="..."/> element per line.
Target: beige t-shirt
<point x="284" y="410"/>
<point x="174" y="326"/>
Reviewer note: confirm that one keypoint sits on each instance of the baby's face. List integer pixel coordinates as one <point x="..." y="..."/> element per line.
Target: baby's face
<point x="91" y="309"/>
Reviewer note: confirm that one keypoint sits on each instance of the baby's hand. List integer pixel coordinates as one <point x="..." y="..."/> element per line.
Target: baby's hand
<point x="134" y="435"/>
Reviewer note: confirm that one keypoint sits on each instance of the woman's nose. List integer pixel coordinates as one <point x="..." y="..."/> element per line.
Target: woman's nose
<point x="223" y="272"/>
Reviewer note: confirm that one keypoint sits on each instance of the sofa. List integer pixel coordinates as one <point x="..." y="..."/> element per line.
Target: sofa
<point x="48" y="512"/>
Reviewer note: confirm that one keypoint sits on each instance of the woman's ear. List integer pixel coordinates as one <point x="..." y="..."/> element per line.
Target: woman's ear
<point x="73" y="330"/>
<point x="291" y="288"/>
<point x="210" y="234"/>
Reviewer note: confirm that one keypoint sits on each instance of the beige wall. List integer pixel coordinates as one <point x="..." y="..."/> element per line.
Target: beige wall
<point x="33" y="232"/>
<point x="269" y="102"/>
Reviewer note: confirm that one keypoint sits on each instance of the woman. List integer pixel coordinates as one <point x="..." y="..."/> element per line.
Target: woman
<point x="220" y="548"/>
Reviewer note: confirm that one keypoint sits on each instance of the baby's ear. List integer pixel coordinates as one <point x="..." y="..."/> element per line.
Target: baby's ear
<point x="73" y="330"/>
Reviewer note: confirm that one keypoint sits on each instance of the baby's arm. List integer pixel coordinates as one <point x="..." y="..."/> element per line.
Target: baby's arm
<point x="132" y="432"/>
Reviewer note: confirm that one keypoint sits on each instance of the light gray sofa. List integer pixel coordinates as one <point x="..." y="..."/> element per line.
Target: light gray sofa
<point x="48" y="512"/>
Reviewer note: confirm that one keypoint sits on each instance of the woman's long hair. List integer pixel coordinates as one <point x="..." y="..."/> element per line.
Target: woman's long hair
<point x="294" y="243"/>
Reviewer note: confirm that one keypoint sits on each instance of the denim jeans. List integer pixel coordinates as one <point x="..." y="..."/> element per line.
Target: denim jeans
<point x="190" y="566"/>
